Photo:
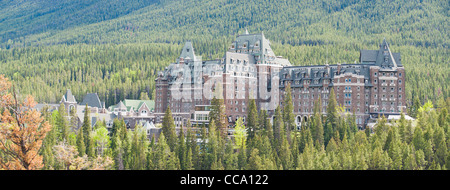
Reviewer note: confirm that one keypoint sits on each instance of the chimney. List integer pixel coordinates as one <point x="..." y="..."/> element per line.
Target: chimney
<point x="338" y="68"/>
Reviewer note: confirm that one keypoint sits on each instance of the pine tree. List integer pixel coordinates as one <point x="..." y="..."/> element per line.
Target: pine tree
<point x="441" y="147"/>
<point x="91" y="147"/>
<point x="318" y="132"/>
<point x="48" y="143"/>
<point x="278" y="128"/>
<point x="61" y="123"/>
<point x="252" y="119"/>
<point x="254" y="161"/>
<point x="217" y="113"/>
<point x="212" y="147"/>
<point x="73" y="119"/>
<point x="288" y="111"/>
<point x="230" y="158"/>
<point x="80" y="142"/>
<point x="415" y="107"/>
<point x="139" y="147"/>
<point x="168" y="128"/>
<point x="117" y="152"/>
<point x="87" y="129"/>
<point x="181" y="150"/>
<point x="332" y="115"/>
<point x="22" y="130"/>
<point x="188" y="163"/>
<point x="418" y="139"/>
<point x="240" y="135"/>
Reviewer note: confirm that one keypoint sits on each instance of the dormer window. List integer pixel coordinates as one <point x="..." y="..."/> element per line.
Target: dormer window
<point x="144" y="112"/>
<point x="187" y="49"/>
<point x="232" y="46"/>
<point x="256" y="44"/>
<point x="245" y="45"/>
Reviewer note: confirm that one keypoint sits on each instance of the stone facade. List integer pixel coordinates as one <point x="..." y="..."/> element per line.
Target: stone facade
<point x="250" y="70"/>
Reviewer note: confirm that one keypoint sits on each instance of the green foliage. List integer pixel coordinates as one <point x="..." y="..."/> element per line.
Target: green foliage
<point x="168" y="128"/>
<point x="240" y="135"/>
<point x="118" y="48"/>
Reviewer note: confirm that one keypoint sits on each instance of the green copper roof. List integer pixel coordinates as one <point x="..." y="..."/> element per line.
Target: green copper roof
<point x="136" y="104"/>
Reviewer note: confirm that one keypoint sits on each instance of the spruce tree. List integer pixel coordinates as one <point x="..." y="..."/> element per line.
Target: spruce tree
<point x="80" y="142"/>
<point x="254" y="161"/>
<point x="61" y="123"/>
<point x="318" y="132"/>
<point x="181" y="150"/>
<point x="332" y="114"/>
<point x="288" y="110"/>
<point x="217" y="113"/>
<point x="278" y="128"/>
<point x="252" y="119"/>
<point x="87" y="129"/>
<point x="168" y="128"/>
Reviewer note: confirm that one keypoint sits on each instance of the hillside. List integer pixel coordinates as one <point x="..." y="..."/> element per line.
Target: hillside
<point x="47" y="34"/>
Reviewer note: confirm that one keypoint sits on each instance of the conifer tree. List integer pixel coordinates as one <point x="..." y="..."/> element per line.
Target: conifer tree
<point x="181" y="150"/>
<point x="61" y="123"/>
<point x="22" y="130"/>
<point x="49" y="142"/>
<point x="418" y="140"/>
<point x="278" y="128"/>
<point x="73" y="119"/>
<point x="240" y="135"/>
<point x="188" y="163"/>
<point x="139" y="147"/>
<point x="230" y="159"/>
<point x="254" y="161"/>
<point x="217" y="114"/>
<point x="332" y="114"/>
<point x="80" y="142"/>
<point x="288" y="111"/>
<point x="87" y="129"/>
<point x="441" y="148"/>
<point x="318" y="132"/>
<point x="252" y="119"/>
<point x="168" y="128"/>
<point x="212" y="147"/>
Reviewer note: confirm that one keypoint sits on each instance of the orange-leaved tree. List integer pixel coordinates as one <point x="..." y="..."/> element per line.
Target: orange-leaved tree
<point x="22" y="130"/>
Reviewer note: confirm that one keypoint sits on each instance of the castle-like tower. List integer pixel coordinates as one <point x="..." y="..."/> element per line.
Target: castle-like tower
<point x="250" y="70"/>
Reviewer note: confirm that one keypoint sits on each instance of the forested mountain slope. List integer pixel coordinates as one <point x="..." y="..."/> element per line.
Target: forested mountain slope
<point x="116" y="47"/>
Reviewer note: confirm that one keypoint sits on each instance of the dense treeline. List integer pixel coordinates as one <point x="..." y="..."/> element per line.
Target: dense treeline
<point x="330" y="142"/>
<point x="123" y="71"/>
<point x="86" y="57"/>
<point x="116" y="48"/>
<point x="115" y="72"/>
<point x="312" y="22"/>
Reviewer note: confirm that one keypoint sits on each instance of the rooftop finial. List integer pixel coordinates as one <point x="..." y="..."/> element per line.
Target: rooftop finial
<point x="246" y="31"/>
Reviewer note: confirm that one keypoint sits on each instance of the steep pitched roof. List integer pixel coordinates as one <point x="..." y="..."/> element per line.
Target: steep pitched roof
<point x="92" y="100"/>
<point x="68" y="97"/>
<point x="188" y="51"/>
<point x="382" y="57"/>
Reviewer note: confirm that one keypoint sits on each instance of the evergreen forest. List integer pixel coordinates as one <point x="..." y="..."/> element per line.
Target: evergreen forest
<point x="117" y="48"/>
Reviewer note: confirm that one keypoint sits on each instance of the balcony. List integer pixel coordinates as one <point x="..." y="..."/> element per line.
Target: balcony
<point x="392" y="99"/>
<point x="383" y="99"/>
<point x="384" y="84"/>
<point x="392" y="84"/>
